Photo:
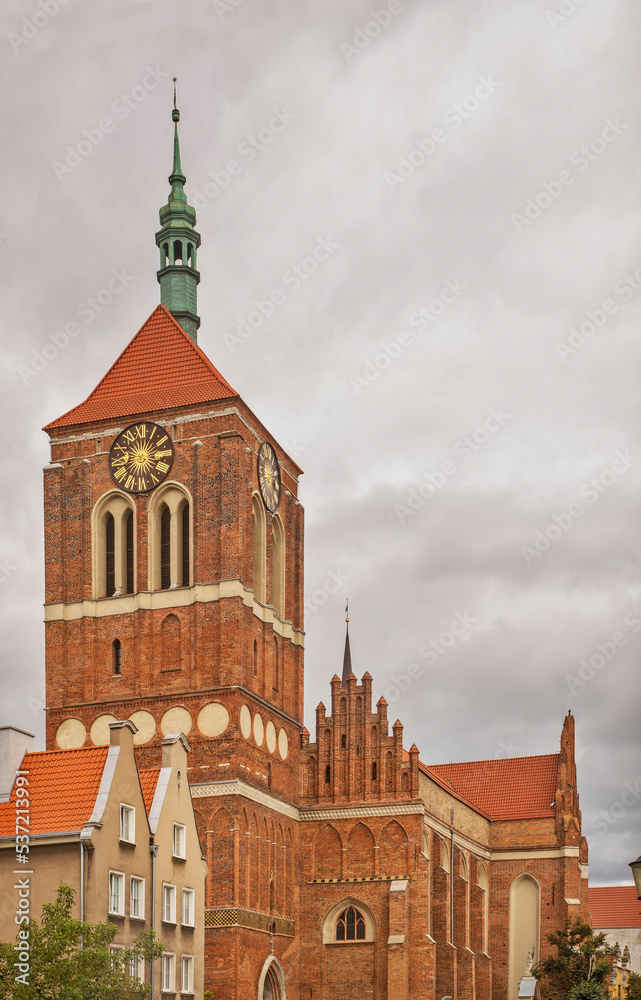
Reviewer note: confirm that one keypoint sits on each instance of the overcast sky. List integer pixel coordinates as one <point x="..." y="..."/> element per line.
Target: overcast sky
<point x="468" y="170"/>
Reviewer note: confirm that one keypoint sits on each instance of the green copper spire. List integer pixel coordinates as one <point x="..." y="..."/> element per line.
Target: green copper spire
<point x="178" y="242"/>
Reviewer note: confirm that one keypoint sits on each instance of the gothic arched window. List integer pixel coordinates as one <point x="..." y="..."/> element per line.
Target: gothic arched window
<point x="350" y="925"/>
<point x="170" y="538"/>
<point x="278" y="567"/>
<point x="258" y="548"/>
<point x="113" y="546"/>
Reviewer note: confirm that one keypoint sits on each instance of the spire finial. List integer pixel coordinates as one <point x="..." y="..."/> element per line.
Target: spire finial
<point x="178" y="242"/>
<point x="347" y="656"/>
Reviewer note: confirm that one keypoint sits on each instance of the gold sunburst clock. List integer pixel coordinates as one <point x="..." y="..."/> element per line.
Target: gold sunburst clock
<point x="269" y="477"/>
<point x="141" y="457"/>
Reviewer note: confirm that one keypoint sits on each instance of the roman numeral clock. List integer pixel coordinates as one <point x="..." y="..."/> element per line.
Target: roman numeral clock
<point x="141" y="457"/>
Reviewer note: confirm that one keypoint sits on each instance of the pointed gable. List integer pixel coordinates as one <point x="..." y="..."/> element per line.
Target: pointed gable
<point x="161" y="368"/>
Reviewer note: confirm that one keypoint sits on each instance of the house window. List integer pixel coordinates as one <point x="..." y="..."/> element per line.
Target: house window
<point x="350" y="925"/>
<point x="117" y="893"/>
<point x="170" y="539"/>
<point x="276" y="666"/>
<point x="169" y="904"/>
<point x="258" y="548"/>
<point x="374" y="770"/>
<point x="116" y="656"/>
<point x="328" y="774"/>
<point x="113" y="548"/>
<point x="137" y="898"/>
<point x="169" y="973"/>
<point x="187" y="974"/>
<point x="110" y="566"/>
<point x="115" y="954"/>
<point x="179" y="841"/>
<point x="188" y="907"/>
<point x="343" y="741"/>
<point x="278" y="567"/>
<point x="184" y="555"/>
<point x="128" y="824"/>
<point x="137" y="968"/>
<point x="255" y="658"/>
<point x="165" y="548"/>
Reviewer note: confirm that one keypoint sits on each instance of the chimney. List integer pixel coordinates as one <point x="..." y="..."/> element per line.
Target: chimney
<point x="14" y="744"/>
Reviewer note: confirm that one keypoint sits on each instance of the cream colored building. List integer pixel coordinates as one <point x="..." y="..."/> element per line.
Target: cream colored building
<point x="125" y="840"/>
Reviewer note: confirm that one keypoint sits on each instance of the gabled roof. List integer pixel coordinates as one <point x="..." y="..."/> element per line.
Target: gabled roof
<point x="505" y="788"/>
<point x="63" y="787"/>
<point x="160" y="368"/>
<point x="148" y="782"/>
<point x="614" y="906"/>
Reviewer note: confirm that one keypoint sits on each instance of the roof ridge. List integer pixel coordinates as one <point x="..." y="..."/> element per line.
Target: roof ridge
<point x="495" y="760"/>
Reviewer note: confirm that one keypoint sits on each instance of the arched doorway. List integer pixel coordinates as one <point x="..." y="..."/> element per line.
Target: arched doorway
<point x="271" y="985"/>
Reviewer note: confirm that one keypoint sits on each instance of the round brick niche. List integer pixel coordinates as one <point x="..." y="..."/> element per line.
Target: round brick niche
<point x="283" y="744"/>
<point x="146" y="726"/>
<point x="259" y="729"/>
<point x="213" y="719"/>
<point x="245" y="722"/>
<point x="176" y="720"/>
<point x="71" y="734"/>
<point x="270" y="736"/>
<point x="99" y="731"/>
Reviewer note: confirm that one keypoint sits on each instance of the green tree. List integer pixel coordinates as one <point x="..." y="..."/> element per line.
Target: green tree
<point x="634" y="986"/>
<point x="581" y="966"/>
<point x="69" y="959"/>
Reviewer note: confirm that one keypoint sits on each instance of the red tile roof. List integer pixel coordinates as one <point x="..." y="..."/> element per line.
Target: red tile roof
<point x="506" y="788"/>
<point x="614" y="906"/>
<point x="148" y="782"/>
<point x="159" y="369"/>
<point x="63" y="786"/>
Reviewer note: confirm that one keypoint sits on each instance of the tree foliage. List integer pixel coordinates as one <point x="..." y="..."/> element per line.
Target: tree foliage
<point x="581" y="966"/>
<point x="69" y="959"/>
<point x="634" y="986"/>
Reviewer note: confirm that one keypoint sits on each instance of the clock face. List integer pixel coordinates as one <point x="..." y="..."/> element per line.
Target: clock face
<point x="141" y="457"/>
<point x="269" y="477"/>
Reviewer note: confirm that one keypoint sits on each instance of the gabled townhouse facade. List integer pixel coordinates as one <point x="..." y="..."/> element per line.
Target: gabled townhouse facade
<point x="126" y="841"/>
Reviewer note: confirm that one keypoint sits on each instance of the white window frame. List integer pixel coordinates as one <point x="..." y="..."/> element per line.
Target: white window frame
<point x="139" y="977"/>
<point x="191" y="895"/>
<point x="187" y="964"/>
<point x="168" y="973"/>
<point x="121" y="893"/>
<point x="141" y="897"/>
<point x="130" y="812"/>
<point x="178" y="853"/>
<point x="168" y="888"/>
<point x="115" y="949"/>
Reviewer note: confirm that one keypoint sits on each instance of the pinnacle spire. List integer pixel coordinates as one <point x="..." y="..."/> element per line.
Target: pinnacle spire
<point x="178" y="242"/>
<point x="347" y="656"/>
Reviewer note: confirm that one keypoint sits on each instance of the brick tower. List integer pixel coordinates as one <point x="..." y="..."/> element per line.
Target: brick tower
<point x="174" y="597"/>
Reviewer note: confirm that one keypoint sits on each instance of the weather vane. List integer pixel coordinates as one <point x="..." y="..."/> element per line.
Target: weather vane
<point x="175" y="115"/>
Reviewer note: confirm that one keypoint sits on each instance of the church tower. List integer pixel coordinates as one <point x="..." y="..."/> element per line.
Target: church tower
<point x="174" y="598"/>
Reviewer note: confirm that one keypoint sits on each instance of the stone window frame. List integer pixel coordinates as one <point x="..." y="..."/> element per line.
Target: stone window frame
<point x="259" y="549"/>
<point x="174" y="495"/>
<point x="118" y="504"/>
<point x="331" y="919"/>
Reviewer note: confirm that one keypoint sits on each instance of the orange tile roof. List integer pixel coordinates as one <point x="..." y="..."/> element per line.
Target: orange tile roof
<point x="159" y="369"/>
<point x="63" y="786"/>
<point x="614" y="906"/>
<point x="506" y="788"/>
<point x="148" y="782"/>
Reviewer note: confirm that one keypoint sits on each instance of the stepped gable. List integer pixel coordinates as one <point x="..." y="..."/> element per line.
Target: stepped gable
<point x="161" y="368"/>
